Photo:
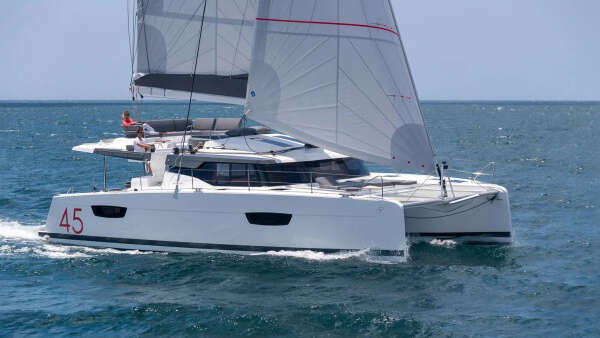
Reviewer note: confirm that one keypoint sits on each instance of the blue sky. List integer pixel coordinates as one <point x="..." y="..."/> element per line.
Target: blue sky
<point x="461" y="49"/>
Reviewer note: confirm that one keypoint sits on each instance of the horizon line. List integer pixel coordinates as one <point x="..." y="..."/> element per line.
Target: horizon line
<point x="162" y="100"/>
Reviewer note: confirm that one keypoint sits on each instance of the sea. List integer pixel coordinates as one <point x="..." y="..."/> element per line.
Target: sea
<point x="546" y="283"/>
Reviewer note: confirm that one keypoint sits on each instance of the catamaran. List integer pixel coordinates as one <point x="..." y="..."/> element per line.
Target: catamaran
<point x="331" y="84"/>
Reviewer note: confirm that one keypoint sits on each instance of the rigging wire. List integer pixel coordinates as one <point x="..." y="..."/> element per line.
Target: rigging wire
<point x="191" y="95"/>
<point x="131" y="33"/>
<point x="245" y="122"/>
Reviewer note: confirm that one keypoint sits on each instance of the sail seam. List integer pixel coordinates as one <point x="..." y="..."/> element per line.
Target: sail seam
<point x="329" y="23"/>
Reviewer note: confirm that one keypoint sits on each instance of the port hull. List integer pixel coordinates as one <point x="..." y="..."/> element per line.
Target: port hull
<point x="237" y="221"/>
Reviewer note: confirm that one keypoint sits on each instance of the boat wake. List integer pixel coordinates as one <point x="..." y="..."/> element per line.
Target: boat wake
<point x="448" y="243"/>
<point x="14" y="230"/>
<point x="313" y="255"/>
<point x="321" y="256"/>
<point x="17" y="239"/>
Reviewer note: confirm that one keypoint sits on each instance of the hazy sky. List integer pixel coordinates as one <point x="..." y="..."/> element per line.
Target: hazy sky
<point x="460" y="49"/>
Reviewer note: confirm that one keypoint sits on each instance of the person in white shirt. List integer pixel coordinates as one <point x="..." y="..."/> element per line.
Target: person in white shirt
<point x="140" y="146"/>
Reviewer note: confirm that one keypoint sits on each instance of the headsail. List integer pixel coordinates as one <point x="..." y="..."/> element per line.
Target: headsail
<point x="334" y="73"/>
<point x="168" y="34"/>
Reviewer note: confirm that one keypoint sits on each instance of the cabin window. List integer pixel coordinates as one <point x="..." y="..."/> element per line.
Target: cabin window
<point x="268" y="218"/>
<point x="237" y="174"/>
<point x="224" y="174"/>
<point x="109" y="211"/>
<point x="238" y="170"/>
<point x="222" y="170"/>
<point x="206" y="172"/>
<point x="356" y="167"/>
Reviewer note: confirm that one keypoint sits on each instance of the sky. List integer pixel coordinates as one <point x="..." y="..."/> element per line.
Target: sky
<point x="458" y="50"/>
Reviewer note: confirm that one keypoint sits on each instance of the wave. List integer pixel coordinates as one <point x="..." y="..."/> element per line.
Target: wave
<point x="443" y="242"/>
<point x="313" y="255"/>
<point x="15" y="230"/>
<point x="18" y="239"/>
<point x="58" y="251"/>
<point x="321" y="256"/>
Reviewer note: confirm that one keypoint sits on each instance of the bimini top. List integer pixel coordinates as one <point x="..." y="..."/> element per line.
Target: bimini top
<point x="261" y="148"/>
<point x="255" y="149"/>
<point x="130" y="155"/>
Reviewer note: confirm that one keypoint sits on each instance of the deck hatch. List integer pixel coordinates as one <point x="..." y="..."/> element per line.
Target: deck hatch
<point x="268" y="218"/>
<point x="109" y="211"/>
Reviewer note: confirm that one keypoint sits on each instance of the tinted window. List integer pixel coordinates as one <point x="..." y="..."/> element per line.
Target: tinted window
<point x="237" y="174"/>
<point x="356" y="167"/>
<point x="205" y="172"/>
<point x="109" y="211"/>
<point x="222" y="170"/>
<point x="223" y="174"/>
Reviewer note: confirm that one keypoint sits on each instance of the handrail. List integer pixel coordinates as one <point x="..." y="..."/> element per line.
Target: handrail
<point x="298" y="188"/>
<point x="299" y="182"/>
<point x="245" y="180"/>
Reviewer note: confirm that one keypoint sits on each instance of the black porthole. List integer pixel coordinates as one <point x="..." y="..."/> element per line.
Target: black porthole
<point x="268" y="218"/>
<point x="109" y="211"/>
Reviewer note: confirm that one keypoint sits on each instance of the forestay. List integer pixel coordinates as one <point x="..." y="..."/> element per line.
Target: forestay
<point x="168" y="33"/>
<point x="334" y="73"/>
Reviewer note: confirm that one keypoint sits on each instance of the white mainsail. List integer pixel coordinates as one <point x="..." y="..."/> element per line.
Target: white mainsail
<point x="167" y="39"/>
<point x="334" y="73"/>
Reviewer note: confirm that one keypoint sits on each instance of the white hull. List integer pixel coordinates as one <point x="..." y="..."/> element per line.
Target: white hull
<point x="477" y="213"/>
<point x="326" y="221"/>
<point x="217" y="220"/>
<point x="476" y="219"/>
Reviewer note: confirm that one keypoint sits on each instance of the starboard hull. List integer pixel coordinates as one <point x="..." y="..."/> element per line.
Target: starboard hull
<point x="480" y="219"/>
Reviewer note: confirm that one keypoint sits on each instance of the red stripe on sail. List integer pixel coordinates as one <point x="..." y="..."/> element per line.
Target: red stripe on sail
<point x="329" y="23"/>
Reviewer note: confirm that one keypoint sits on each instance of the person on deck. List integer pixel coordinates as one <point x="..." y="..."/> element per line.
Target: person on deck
<point x="127" y="121"/>
<point x="149" y="131"/>
<point x="140" y="146"/>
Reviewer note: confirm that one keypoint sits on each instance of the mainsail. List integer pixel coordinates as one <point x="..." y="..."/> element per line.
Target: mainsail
<point x="334" y="73"/>
<point x="168" y="34"/>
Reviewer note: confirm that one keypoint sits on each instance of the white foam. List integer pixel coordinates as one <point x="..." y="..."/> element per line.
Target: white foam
<point x="12" y="230"/>
<point x="15" y="230"/>
<point x="443" y="242"/>
<point x="58" y="252"/>
<point x="321" y="256"/>
<point x="109" y="251"/>
<point x="313" y="255"/>
<point x="31" y="243"/>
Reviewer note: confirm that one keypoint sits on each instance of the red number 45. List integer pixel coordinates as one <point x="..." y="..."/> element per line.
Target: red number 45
<point x="64" y="221"/>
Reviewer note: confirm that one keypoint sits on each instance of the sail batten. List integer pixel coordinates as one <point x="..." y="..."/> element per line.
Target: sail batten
<point x="334" y="73"/>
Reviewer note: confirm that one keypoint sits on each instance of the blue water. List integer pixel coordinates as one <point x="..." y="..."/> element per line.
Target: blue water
<point x="546" y="283"/>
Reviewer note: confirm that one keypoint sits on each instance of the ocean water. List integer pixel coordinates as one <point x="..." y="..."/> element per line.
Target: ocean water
<point x="546" y="283"/>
